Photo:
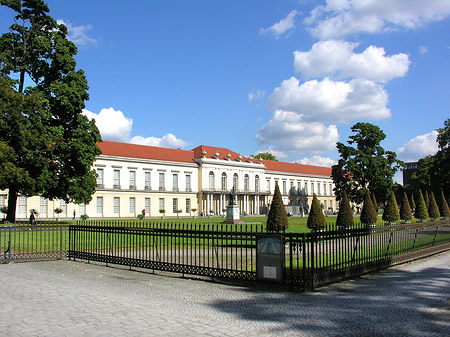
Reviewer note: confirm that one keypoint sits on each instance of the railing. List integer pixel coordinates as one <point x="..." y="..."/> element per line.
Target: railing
<point x="23" y="242"/>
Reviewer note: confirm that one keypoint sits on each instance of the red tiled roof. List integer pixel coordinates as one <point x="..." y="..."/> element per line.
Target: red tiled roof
<point x="279" y="166"/>
<point x="145" y="152"/>
<point x="223" y="152"/>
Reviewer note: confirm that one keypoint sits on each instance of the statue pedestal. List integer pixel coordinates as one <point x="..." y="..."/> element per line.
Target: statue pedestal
<point x="233" y="215"/>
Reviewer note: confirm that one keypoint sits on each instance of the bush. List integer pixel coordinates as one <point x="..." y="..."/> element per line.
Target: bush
<point x="374" y="202"/>
<point x="443" y="206"/>
<point x="433" y="210"/>
<point x="345" y="215"/>
<point x="84" y="217"/>
<point x="411" y="202"/>
<point x="277" y="219"/>
<point x="405" y="208"/>
<point x="421" y="211"/>
<point x="316" y="218"/>
<point x="391" y="213"/>
<point x="368" y="214"/>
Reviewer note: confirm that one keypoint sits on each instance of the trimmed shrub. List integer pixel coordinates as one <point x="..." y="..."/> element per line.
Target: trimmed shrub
<point x="277" y="219"/>
<point x="411" y="202"/>
<point x="391" y="213"/>
<point x="426" y="198"/>
<point x="345" y="215"/>
<point x="443" y="206"/>
<point x="368" y="214"/>
<point x="405" y="208"/>
<point x="374" y="202"/>
<point x="433" y="210"/>
<point x="316" y="218"/>
<point x="421" y="211"/>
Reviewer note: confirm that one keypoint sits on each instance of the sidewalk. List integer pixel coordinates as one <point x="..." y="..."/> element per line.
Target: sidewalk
<point x="66" y="298"/>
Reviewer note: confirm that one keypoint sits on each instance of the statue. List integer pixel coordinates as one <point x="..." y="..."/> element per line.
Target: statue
<point x="232" y="197"/>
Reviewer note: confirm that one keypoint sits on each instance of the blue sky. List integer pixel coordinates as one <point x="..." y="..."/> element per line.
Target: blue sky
<point x="288" y="77"/>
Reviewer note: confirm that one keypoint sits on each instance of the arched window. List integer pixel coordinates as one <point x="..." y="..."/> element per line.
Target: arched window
<point x="224" y="181"/>
<point x="257" y="183"/>
<point x="246" y="180"/>
<point x="235" y="181"/>
<point x="211" y="181"/>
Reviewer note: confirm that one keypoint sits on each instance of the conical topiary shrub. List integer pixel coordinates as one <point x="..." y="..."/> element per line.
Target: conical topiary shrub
<point x="405" y="209"/>
<point x="277" y="219"/>
<point x="443" y="206"/>
<point x="345" y="215"/>
<point x="433" y="210"/>
<point x="421" y="211"/>
<point x="391" y="213"/>
<point x="427" y="200"/>
<point x="316" y="218"/>
<point x="374" y="202"/>
<point x="411" y="202"/>
<point x="368" y="214"/>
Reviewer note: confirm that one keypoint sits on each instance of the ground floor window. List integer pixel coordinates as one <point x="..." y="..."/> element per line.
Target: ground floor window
<point x="188" y="205"/>
<point x="175" y="205"/>
<point x="161" y="204"/>
<point x="116" y="205"/>
<point x="132" y="205"/>
<point x="43" y="207"/>
<point x="22" y="206"/>
<point x="99" y="205"/>
<point x="147" y="206"/>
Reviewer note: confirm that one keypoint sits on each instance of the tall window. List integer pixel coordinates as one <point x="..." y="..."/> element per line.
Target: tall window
<point x="292" y="188"/>
<point x="22" y="206"/>
<point x="63" y="206"/>
<point x="132" y="180"/>
<point x="147" y="180"/>
<point x="82" y="209"/>
<point x="175" y="205"/>
<point x="99" y="205"/>
<point x="211" y="181"/>
<point x="284" y="187"/>
<point x="162" y="186"/>
<point x="116" y="179"/>
<point x="43" y="206"/>
<point x="147" y="206"/>
<point x="100" y="177"/>
<point x="132" y="205"/>
<point x="188" y="183"/>
<point x="318" y="189"/>
<point x="312" y="189"/>
<point x="330" y="189"/>
<point x="116" y="206"/>
<point x="257" y="183"/>
<point x="324" y="189"/>
<point x="236" y="181"/>
<point x="224" y="181"/>
<point x="246" y="183"/>
<point x="306" y="188"/>
<point x="161" y="203"/>
<point x="188" y="205"/>
<point x="299" y="187"/>
<point x="175" y="182"/>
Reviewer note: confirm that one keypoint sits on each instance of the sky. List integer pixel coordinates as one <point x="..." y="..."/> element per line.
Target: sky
<point x="288" y="77"/>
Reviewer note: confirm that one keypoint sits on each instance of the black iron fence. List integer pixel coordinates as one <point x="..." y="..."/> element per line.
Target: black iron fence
<point x="23" y="242"/>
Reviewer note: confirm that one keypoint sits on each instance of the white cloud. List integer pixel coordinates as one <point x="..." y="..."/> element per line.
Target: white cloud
<point x="78" y="34"/>
<point x="113" y="125"/>
<point x="256" y="95"/>
<point x="342" y="17"/>
<point x="278" y="154"/>
<point x="281" y="27"/>
<point x="328" y="101"/>
<point x="288" y="132"/>
<point x="337" y="57"/>
<point x="317" y="161"/>
<point x="419" y="147"/>
<point x="423" y="49"/>
<point x="168" y="140"/>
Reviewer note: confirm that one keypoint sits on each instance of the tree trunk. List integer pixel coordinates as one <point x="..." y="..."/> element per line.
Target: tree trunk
<point x="12" y="203"/>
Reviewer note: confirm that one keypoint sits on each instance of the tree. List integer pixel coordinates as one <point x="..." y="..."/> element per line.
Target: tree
<point x="265" y="156"/>
<point x="53" y="146"/>
<point x="277" y="219"/>
<point x="426" y="198"/>
<point x="391" y="213"/>
<point x="374" y="202"/>
<point x="442" y="166"/>
<point x="433" y="209"/>
<point x="345" y="215"/>
<point x="405" y="208"/>
<point x="368" y="214"/>
<point x="316" y="218"/>
<point x="412" y="203"/>
<point x="443" y="206"/>
<point x="364" y="164"/>
<point x="421" y="211"/>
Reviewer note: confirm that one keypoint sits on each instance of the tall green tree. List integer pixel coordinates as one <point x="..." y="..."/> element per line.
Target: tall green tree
<point x="266" y="156"/>
<point x="405" y="208"/>
<point x="412" y="203"/>
<point x="442" y="166"/>
<point x="364" y="164"/>
<point x="277" y="219"/>
<point x="368" y="214"/>
<point x="345" y="215"/>
<point x="316" y="218"/>
<point x="421" y="211"/>
<point x="391" y="213"/>
<point x="433" y="209"/>
<point x="443" y="206"/>
<point x="48" y="113"/>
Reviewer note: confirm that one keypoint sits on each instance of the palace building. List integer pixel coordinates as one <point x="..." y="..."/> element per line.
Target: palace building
<point x="196" y="182"/>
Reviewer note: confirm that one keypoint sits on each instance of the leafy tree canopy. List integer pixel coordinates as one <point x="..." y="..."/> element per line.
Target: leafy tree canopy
<point x="50" y="144"/>
<point x="265" y="156"/>
<point x="364" y="164"/>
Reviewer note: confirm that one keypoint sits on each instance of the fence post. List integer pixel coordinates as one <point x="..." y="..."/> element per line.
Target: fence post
<point x="313" y="237"/>
<point x="304" y="261"/>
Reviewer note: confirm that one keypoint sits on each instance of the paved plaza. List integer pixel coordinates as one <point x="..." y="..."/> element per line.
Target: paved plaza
<point x="66" y="298"/>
